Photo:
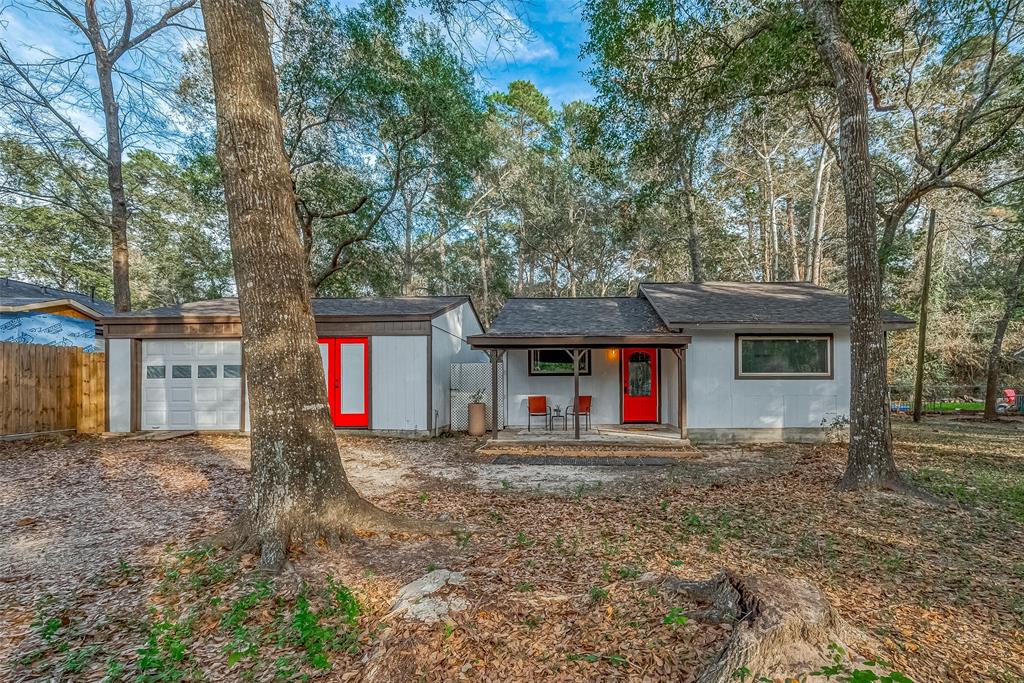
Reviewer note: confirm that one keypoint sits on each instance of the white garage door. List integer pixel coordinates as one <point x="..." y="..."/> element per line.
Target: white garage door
<point x="191" y="384"/>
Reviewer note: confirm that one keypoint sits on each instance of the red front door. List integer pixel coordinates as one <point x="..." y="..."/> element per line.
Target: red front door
<point x="348" y="379"/>
<point x="639" y="385"/>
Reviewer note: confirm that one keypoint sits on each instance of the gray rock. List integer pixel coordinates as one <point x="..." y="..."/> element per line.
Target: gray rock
<point x="416" y="601"/>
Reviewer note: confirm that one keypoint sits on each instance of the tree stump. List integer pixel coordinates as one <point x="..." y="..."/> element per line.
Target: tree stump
<point x="783" y="627"/>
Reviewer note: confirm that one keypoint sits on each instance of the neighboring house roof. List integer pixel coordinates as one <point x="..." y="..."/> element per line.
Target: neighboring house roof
<point x="550" y="322"/>
<point x="18" y="296"/>
<point x="690" y="304"/>
<point x="373" y="308"/>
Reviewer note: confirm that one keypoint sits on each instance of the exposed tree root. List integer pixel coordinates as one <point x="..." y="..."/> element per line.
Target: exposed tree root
<point x="895" y="484"/>
<point x="783" y="627"/>
<point x="335" y="525"/>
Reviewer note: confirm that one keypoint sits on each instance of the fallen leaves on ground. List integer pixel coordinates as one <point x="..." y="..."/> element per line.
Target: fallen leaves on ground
<point x="98" y="576"/>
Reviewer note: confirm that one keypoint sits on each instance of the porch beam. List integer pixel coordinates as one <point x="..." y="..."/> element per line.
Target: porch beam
<point x="494" y="354"/>
<point x="681" y="380"/>
<point x="576" y="354"/>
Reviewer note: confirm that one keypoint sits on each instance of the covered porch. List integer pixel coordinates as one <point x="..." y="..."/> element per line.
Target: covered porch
<point x="587" y="370"/>
<point x="653" y="435"/>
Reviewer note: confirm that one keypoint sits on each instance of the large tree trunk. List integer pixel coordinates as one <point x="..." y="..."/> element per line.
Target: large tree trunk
<point x="869" y="462"/>
<point x="996" y="350"/>
<point x="298" y="486"/>
<point x="115" y="186"/>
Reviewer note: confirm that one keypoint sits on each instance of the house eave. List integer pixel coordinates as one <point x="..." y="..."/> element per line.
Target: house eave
<point x="485" y="341"/>
<point x="778" y="325"/>
<point x="51" y="303"/>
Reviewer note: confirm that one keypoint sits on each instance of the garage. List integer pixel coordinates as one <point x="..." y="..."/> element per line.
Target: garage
<point x="191" y="384"/>
<point x="387" y="364"/>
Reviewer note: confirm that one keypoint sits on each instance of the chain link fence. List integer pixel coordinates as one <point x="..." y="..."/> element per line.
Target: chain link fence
<point x="472" y="381"/>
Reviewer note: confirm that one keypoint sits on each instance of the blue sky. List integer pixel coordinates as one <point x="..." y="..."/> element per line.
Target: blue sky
<point x="552" y="59"/>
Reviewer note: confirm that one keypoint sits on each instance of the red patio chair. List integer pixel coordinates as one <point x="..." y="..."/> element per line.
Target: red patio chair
<point x="584" y="409"/>
<point x="537" y="406"/>
<point x="1010" y="397"/>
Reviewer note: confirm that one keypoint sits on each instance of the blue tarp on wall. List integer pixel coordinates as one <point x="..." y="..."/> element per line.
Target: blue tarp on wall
<point x="49" y="329"/>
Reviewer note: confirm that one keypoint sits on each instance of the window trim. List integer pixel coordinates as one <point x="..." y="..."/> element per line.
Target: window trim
<point x="583" y="372"/>
<point x="738" y="360"/>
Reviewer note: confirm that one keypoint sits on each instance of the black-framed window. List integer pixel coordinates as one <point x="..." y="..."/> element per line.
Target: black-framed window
<point x="156" y="371"/>
<point x="206" y="372"/>
<point x="557" y="362"/>
<point x="784" y="356"/>
<point x="232" y="371"/>
<point x="181" y="371"/>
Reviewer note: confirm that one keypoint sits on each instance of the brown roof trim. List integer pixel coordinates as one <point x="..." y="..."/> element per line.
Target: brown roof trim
<point x="52" y="303"/>
<point x="179" y="319"/>
<point x="576" y="341"/>
<point x="719" y="326"/>
<point x="168" y="319"/>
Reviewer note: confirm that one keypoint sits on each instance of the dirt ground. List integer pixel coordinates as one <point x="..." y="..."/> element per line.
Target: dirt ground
<point x="99" y="579"/>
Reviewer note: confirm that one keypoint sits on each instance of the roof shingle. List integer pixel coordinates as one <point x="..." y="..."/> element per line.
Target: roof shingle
<point x="383" y="307"/>
<point x="17" y="293"/>
<point x="688" y="304"/>
<point x="607" y="316"/>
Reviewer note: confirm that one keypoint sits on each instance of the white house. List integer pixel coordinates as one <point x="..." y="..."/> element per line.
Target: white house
<point x="387" y="363"/>
<point x="720" y="361"/>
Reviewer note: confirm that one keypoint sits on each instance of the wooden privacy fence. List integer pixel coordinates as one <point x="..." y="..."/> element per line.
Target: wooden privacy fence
<point x="51" y="388"/>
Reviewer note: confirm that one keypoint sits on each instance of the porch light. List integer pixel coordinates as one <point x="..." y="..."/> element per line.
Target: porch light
<point x="613" y="354"/>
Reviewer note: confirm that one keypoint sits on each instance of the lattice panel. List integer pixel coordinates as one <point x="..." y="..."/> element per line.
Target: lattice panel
<point x="468" y="379"/>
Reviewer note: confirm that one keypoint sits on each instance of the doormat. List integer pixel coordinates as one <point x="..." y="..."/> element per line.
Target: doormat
<point x="583" y="461"/>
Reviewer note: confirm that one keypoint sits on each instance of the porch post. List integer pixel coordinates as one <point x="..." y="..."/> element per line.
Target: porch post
<point x="494" y="394"/>
<point x="681" y="379"/>
<point x="576" y="391"/>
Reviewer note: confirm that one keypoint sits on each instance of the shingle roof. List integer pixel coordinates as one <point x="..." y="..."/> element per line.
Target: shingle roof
<point x="687" y="304"/>
<point x="14" y="293"/>
<point x="608" y="316"/>
<point x="379" y="307"/>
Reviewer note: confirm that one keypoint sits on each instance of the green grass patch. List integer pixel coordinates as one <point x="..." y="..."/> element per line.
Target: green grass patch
<point x="978" y="482"/>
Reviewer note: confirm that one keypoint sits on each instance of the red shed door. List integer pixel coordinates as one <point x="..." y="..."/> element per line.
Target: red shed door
<point x="348" y="380"/>
<point x="639" y="385"/>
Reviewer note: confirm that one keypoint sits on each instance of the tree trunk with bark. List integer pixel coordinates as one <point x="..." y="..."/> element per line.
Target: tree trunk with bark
<point x="819" y="235"/>
<point x="115" y="187"/>
<point x="922" y="323"/>
<point x="1013" y="301"/>
<point x="870" y="462"/>
<point x="298" y="487"/>
<point x="813" y="228"/>
<point x="794" y="258"/>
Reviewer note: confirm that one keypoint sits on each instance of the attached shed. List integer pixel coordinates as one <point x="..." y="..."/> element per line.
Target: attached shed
<point x="34" y="314"/>
<point x="386" y="363"/>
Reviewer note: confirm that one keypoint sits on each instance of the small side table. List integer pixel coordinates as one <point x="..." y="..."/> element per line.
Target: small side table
<point x="558" y="414"/>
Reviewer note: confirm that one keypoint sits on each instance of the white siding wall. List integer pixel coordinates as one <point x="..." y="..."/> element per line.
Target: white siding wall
<point x="669" y="393"/>
<point x="398" y="383"/>
<point x="119" y="398"/>
<point x="715" y="399"/>
<point x="603" y="384"/>
<point x="448" y="337"/>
